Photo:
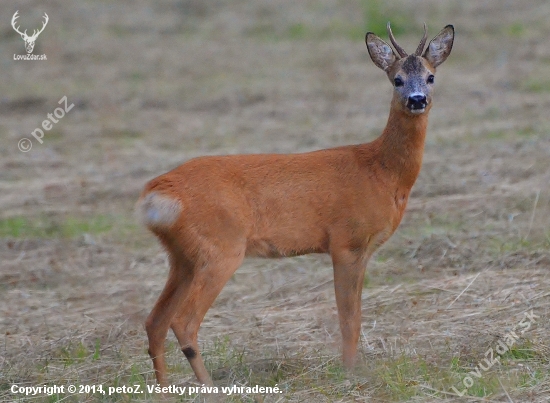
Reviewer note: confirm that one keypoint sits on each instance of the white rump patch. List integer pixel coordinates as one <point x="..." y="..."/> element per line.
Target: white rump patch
<point x="156" y="210"/>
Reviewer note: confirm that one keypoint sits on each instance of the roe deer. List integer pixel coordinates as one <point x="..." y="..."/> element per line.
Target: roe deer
<point x="211" y="212"/>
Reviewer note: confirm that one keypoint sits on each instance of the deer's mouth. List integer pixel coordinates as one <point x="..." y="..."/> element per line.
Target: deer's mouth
<point x="417" y="110"/>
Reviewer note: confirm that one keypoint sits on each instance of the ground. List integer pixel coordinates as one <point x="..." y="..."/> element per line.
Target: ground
<point x="156" y="83"/>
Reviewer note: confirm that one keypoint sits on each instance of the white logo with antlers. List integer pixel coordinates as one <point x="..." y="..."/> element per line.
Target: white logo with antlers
<point x="29" y="40"/>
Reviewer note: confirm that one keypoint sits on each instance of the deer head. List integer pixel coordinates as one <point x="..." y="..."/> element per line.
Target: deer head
<point x="29" y="40"/>
<point x="411" y="75"/>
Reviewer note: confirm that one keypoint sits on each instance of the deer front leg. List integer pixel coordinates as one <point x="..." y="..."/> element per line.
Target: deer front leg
<point x="349" y="271"/>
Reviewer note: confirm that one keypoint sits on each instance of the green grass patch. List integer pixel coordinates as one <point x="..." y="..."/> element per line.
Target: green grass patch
<point x="121" y="134"/>
<point x="501" y="246"/>
<point x="536" y="84"/>
<point x="433" y="224"/>
<point x="54" y="226"/>
<point x="225" y="359"/>
<point x="393" y="377"/>
<point x="403" y="376"/>
<point x="73" y="354"/>
<point x="366" y="280"/>
<point x="297" y="31"/>
<point x="375" y="18"/>
<point x="374" y="15"/>
<point x="523" y="351"/>
<point x="75" y="359"/>
<point x="497" y="134"/>
<point x="516" y="30"/>
<point x="377" y="13"/>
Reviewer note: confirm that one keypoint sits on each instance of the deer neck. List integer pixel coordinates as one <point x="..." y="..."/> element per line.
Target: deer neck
<point x="401" y="145"/>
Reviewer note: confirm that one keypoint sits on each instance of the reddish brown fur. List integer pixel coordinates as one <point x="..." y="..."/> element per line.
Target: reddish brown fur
<point x="211" y="212"/>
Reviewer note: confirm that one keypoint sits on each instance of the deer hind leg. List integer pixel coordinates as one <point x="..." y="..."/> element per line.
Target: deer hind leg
<point x="205" y="287"/>
<point x="349" y="271"/>
<point x="159" y="320"/>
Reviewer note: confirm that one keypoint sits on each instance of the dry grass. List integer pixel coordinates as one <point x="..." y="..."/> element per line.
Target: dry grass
<point x="155" y="84"/>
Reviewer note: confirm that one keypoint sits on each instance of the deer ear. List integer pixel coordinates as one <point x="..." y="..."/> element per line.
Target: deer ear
<point x="440" y="47"/>
<point x="380" y="52"/>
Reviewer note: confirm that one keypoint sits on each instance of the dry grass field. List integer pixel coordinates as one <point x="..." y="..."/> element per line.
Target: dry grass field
<point x="157" y="83"/>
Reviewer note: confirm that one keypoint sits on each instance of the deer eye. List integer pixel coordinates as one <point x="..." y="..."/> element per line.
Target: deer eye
<point x="431" y="79"/>
<point x="398" y="82"/>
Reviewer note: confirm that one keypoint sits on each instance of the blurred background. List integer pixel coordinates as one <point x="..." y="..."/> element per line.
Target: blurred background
<point x="156" y="83"/>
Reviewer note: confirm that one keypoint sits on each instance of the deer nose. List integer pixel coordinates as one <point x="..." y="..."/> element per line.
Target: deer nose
<point x="417" y="101"/>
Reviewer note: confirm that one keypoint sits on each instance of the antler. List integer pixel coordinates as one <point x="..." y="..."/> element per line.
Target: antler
<point x="399" y="49"/>
<point x="46" y="18"/>
<point x="24" y="34"/>
<point x="15" y="17"/>
<point x="420" y="47"/>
